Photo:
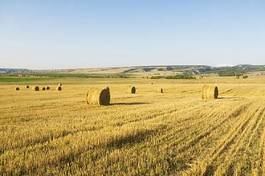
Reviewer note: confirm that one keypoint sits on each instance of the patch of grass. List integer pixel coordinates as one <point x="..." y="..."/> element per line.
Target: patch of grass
<point x="12" y="79"/>
<point x="180" y="76"/>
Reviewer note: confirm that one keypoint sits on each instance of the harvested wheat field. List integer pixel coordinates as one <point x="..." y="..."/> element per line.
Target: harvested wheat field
<point x="149" y="133"/>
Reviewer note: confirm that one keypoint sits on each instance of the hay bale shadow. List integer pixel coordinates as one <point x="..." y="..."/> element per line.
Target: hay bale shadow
<point x="129" y="103"/>
<point x="130" y="139"/>
<point x="227" y="98"/>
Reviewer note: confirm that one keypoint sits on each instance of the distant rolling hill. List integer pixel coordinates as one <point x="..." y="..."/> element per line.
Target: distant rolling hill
<point x="170" y="69"/>
<point x="163" y="70"/>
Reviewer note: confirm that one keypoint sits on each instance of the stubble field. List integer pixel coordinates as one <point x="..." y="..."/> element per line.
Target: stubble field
<point x="149" y="133"/>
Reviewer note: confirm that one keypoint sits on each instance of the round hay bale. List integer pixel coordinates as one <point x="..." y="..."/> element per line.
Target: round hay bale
<point x="27" y="86"/>
<point x="133" y="90"/>
<point x="47" y="88"/>
<point x="59" y="88"/>
<point x="17" y="88"/>
<point x="161" y="90"/>
<point x="209" y="92"/>
<point x="97" y="96"/>
<point x="44" y="88"/>
<point x="36" y="88"/>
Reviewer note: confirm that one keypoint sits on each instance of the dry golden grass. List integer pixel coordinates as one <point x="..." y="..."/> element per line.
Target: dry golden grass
<point x="149" y="133"/>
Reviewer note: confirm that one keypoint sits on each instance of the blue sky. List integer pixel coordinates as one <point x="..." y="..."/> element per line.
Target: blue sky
<point x="81" y="33"/>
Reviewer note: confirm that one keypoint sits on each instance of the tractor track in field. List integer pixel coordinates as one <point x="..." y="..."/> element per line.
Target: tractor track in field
<point x="197" y="126"/>
<point x="205" y="166"/>
<point x="164" y="113"/>
<point x="231" y="115"/>
<point x="206" y="133"/>
<point x="246" y="134"/>
<point x="261" y="169"/>
<point x="77" y="153"/>
<point x="48" y="138"/>
<point x="166" y="130"/>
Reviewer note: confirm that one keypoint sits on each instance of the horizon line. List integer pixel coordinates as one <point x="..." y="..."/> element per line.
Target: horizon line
<point x="126" y="66"/>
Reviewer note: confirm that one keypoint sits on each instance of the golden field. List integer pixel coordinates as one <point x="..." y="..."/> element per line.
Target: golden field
<point x="148" y="133"/>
